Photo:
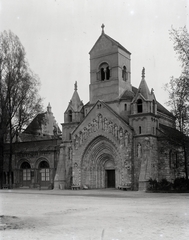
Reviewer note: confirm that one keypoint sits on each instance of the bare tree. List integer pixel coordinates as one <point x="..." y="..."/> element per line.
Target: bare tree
<point x="19" y="100"/>
<point x="178" y="88"/>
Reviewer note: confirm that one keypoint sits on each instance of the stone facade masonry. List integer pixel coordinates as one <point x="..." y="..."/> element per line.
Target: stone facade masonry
<point x="100" y="141"/>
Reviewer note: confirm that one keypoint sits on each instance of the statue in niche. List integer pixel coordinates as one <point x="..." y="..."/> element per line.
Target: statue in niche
<point x="92" y="127"/>
<point x="80" y="138"/>
<point x="105" y="124"/>
<point x="147" y="144"/>
<point x="89" y="129"/>
<point x="126" y="138"/>
<point x="55" y="131"/>
<point x="70" y="152"/>
<point x="110" y="126"/>
<point x="121" y="136"/>
<point x="145" y="163"/>
<point x="76" y="142"/>
<point x="85" y="133"/>
<point x="139" y="150"/>
<point x="75" y="175"/>
<point x="95" y="125"/>
<point x="100" y="121"/>
<point x="115" y="131"/>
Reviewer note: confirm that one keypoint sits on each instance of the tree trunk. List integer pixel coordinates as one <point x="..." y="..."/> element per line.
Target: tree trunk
<point x="10" y="156"/>
<point x="1" y="158"/>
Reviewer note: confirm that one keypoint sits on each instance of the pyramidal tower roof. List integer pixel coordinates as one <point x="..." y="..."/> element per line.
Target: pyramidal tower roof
<point x="143" y="87"/>
<point x="114" y="42"/>
<point x="75" y="101"/>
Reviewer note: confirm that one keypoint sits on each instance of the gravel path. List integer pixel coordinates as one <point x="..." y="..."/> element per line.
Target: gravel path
<point x="93" y="215"/>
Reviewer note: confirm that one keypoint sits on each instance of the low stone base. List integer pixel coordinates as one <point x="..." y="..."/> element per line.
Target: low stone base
<point x="143" y="185"/>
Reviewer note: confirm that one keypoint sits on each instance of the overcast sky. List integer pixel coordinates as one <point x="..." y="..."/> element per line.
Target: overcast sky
<point x="58" y="35"/>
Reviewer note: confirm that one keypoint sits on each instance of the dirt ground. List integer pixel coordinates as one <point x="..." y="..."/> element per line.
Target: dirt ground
<point x="93" y="215"/>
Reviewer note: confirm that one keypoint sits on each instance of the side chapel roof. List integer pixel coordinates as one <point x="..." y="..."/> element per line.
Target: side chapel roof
<point x="36" y="123"/>
<point x="173" y="134"/>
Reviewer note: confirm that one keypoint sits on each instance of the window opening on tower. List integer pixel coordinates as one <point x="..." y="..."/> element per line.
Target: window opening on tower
<point x="104" y="72"/>
<point x="124" y="74"/>
<point x="139" y="106"/>
<point x="70" y="116"/>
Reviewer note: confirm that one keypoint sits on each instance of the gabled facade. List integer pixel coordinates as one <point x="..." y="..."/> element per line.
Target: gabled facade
<point x="113" y="140"/>
<point x="120" y="139"/>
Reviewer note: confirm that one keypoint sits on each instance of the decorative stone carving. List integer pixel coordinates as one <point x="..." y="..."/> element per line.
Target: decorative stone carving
<point x="102" y="124"/>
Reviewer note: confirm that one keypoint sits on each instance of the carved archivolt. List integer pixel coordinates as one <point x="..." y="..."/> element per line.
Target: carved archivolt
<point x="100" y="123"/>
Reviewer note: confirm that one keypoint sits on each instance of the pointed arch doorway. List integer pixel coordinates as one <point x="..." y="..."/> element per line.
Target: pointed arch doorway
<point x="98" y="166"/>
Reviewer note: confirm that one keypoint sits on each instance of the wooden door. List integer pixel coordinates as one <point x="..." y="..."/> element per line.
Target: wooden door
<point x="110" y="178"/>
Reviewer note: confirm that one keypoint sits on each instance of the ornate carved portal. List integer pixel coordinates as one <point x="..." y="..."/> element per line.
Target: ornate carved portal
<point x="101" y="166"/>
<point x="96" y="174"/>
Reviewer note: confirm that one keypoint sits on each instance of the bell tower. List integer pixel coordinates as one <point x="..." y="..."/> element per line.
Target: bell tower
<point x="110" y="71"/>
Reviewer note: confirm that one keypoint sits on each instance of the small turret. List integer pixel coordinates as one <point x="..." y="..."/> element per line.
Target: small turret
<point x="143" y="87"/>
<point x="74" y="110"/>
<point x="144" y="109"/>
<point x="73" y="115"/>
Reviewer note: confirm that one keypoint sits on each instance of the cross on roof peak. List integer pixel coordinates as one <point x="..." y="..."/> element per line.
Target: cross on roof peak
<point x="143" y="73"/>
<point x="103" y="26"/>
<point x="75" y="86"/>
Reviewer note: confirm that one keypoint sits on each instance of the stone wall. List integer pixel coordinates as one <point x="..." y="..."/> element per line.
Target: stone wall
<point x="33" y="153"/>
<point x="145" y="160"/>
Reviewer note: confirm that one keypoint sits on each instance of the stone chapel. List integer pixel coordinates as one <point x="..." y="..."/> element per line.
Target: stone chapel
<point x="116" y="140"/>
<point x="120" y="139"/>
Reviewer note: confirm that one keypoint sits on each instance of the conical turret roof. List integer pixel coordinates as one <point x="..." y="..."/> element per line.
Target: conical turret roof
<point x="143" y="87"/>
<point x="75" y="102"/>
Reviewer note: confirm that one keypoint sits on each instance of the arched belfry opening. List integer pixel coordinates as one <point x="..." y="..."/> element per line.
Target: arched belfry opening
<point x="99" y="164"/>
<point x="104" y="72"/>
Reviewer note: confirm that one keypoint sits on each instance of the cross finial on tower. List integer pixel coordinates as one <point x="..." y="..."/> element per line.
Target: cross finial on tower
<point x="75" y="86"/>
<point x="143" y="73"/>
<point x="103" y="26"/>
